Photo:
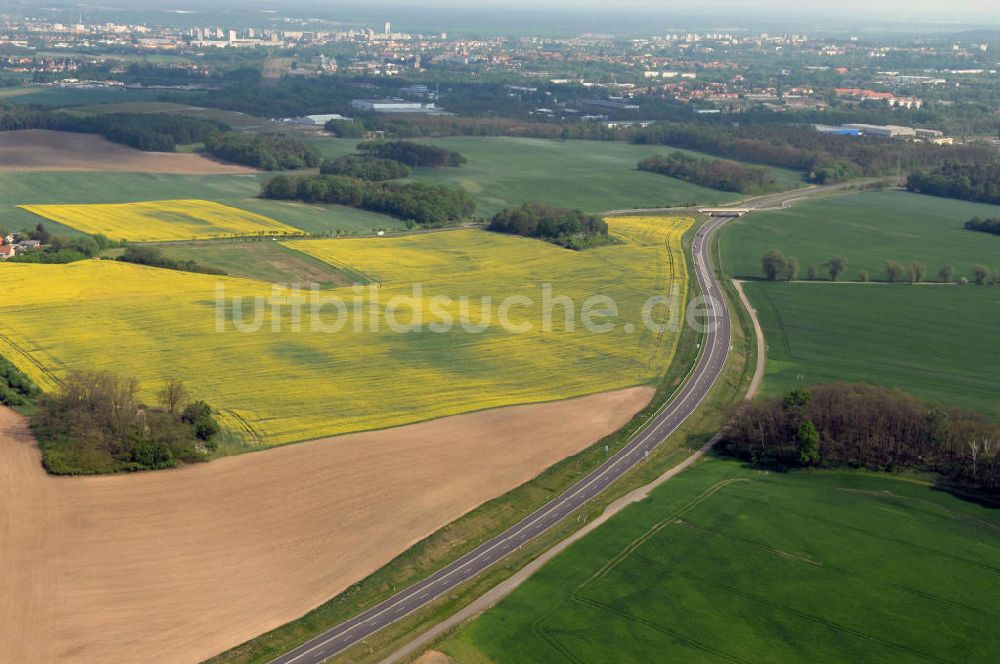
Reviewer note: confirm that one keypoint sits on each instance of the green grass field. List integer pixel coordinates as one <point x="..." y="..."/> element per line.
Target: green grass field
<point x="729" y="564"/>
<point x="263" y="260"/>
<point x="936" y="342"/>
<point x="591" y="175"/>
<point x="868" y="229"/>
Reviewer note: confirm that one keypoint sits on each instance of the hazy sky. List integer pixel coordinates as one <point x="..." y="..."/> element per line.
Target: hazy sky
<point x="845" y="8"/>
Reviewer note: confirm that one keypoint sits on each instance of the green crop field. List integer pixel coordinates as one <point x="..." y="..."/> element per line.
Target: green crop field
<point x="591" y="175"/>
<point x="934" y="341"/>
<point x="868" y="229"/>
<point x="75" y="187"/>
<point x="728" y="564"/>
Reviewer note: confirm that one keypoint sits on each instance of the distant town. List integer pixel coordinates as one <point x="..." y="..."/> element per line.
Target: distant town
<point x="586" y="78"/>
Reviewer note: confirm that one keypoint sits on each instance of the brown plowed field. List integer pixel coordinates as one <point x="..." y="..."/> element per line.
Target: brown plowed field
<point x="43" y="150"/>
<point x="176" y="566"/>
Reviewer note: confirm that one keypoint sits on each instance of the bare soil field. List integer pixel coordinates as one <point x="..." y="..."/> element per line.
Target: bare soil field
<point x="177" y="566"/>
<point x="44" y="150"/>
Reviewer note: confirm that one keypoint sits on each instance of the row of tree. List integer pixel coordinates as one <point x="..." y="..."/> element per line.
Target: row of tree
<point x="966" y="181"/>
<point x="778" y="267"/>
<point x="372" y="169"/>
<point x="154" y="132"/>
<point x="864" y="426"/>
<point x="775" y="266"/>
<point x="431" y="126"/>
<point x="419" y="202"/>
<point x="826" y="158"/>
<point x="991" y="225"/>
<point x="96" y="423"/>
<point x="268" y="152"/>
<point x="153" y="257"/>
<point x="721" y="174"/>
<point x="570" y="228"/>
<point x="412" y="154"/>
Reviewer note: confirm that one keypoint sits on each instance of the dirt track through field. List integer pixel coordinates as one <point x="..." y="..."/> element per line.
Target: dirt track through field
<point x="177" y="566"/>
<point x="44" y="150"/>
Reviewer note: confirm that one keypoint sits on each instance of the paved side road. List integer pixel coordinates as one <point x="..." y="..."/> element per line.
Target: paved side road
<point x="707" y="369"/>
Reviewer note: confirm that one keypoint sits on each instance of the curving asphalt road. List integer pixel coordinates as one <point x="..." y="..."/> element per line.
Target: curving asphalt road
<point x="661" y="425"/>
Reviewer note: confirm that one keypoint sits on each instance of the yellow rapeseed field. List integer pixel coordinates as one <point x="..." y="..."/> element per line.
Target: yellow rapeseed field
<point x="160" y="221"/>
<point x="288" y="381"/>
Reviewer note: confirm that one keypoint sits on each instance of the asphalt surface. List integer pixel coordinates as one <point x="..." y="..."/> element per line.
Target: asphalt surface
<point x="660" y="426"/>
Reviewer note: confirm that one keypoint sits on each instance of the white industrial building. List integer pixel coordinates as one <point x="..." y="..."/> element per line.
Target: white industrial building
<point x="884" y="131"/>
<point x="394" y="106"/>
<point x="315" y="120"/>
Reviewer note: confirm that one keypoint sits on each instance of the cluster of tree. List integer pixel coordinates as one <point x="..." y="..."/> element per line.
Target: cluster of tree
<point x="96" y="423"/>
<point x="154" y="132"/>
<point x="372" y="169"/>
<point x="413" y="201"/>
<point x="16" y="389"/>
<point x="991" y="225"/>
<point x="59" y="249"/>
<point x="966" y="181"/>
<point x="290" y="96"/>
<point x="153" y="257"/>
<point x="569" y="228"/>
<point x="826" y="158"/>
<point x="720" y="174"/>
<point x="412" y="154"/>
<point x="268" y="152"/>
<point x="346" y="128"/>
<point x="864" y="426"/>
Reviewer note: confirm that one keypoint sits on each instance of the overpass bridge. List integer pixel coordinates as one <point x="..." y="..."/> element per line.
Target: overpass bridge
<point x="725" y="212"/>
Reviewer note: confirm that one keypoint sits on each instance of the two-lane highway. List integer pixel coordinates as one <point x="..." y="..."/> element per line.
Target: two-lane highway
<point x="715" y="348"/>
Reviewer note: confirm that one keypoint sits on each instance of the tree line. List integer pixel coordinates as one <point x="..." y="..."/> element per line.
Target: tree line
<point x="419" y="202"/>
<point x="775" y="266"/>
<point x="152" y="132"/>
<point x="16" y="389"/>
<point x="153" y="257"/>
<point x="865" y="426"/>
<point x="573" y="229"/>
<point x="979" y="182"/>
<point x="722" y="174"/>
<point x="990" y="225"/>
<point x="825" y="158"/>
<point x="372" y="169"/>
<point x="436" y="126"/>
<point x="96" y="423"/>
<point x="412" y="154"/>
<point x="268" y="152"/>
